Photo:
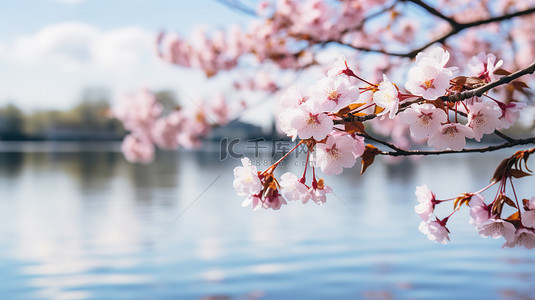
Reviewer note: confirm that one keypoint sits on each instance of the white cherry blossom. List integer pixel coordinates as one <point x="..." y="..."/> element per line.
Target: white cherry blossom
<point x="387" y="97"/>
<point x="426" y="199"/>
<point x="435" y="231"/>
<point x="423" y="119"/>
<point x="451" y="136"/>
<point x="292" y="98"/>
<point x="246" y="180"/>
<point x="294" y="190"/>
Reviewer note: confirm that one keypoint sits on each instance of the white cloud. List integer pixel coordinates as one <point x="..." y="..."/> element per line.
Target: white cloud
<point x="75" y="46"/>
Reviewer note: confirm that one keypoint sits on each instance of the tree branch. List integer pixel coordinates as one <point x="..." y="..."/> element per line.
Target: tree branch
<point x="478" y="92"/>
<point x="513" y="143"/>
<point x="237" y="5"/>
<point x="456" y="28"/>
<point x="434" y="12"/>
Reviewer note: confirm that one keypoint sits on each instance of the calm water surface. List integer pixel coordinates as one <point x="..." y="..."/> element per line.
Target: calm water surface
<point x="78" y="222"/>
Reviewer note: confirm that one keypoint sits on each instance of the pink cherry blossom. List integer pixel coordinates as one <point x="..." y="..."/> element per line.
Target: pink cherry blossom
<point x="483" y="118"/>
<point x="528" y="218"/>
<point x="137" y="149"/>
<point x="510" y="113"/>
<point x="273" y="199"/>
<point x="387" y="97"/>
<point x="451" y="136"/>
<point x="428" y="80"/>
<point x="360" y="145"/>
<point x="253" y="200"/>
<point x="292" y="98"/>
<point x="483" y="66"/>
<point x="497" y="228"/>
<point x="335" y="154"/>
<point x="246" y="180"/>
<point x="523" y="237"/>
<point x="479" y="211"/>
<point x="294" y="189"/>
<point x="423" y="119"/>
<point x="319" y="193"/>
<point x="333" y="93"/>
<point x="427" y="203"/>
<point x="435" y="231"/>
<point x="309" y="122"/>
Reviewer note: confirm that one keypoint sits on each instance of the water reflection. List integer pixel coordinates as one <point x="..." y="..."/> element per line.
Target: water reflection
<point x="86" y="224"/>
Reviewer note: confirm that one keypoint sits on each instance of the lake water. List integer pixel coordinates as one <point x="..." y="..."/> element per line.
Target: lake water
<point x="79" y="222"/>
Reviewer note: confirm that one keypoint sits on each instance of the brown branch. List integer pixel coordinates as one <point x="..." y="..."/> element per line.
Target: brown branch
<point x="478" y="92"/>
<point x="455" y="28"/>
<point x="434" y="12"/>
<point x="513" y="143"/>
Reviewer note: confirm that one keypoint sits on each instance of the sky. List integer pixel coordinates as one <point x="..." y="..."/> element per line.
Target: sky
<point x="51" y="50"/>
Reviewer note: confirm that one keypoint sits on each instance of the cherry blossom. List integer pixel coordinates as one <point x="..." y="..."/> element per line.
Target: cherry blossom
<point x="137" y="149"/>
<point x="335" y="154"/>
<point x="523" y="237"/>
<point x="497" y="228"/>
<point x="451" y="135"/>
<point x="427" y="203"/>
<point x="428" y="80"/>
<point x="294" y="189"/>
<point x="510" y="113"/>
<point x="387" y="98"/>
<point x="528" y="218"/>
<point x="246" y="180"/>
<point x="292" y="98"/>
<point x="479" y="211"/>
<point x="435" y="231"/>
<point x="309" y="122"/>
<point x="333" y="93"/>
<point x="423" y="119"/>
<point x="483" y="118"/>
<point x="483" y="66"/>
<point x="318" y="192"/>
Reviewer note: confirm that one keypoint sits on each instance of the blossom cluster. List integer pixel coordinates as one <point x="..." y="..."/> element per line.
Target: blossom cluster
<point x="149" y="126"/>
<point x="518" y="229"/>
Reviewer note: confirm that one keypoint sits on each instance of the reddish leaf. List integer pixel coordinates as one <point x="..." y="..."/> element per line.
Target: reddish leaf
<point x="354" y="127"/>
<point x="514" y="217"/>
<point x="501" y="71"/>
<point x="378" y="110"/>
<point x="518" y="173"/>
<point x="462" y="199"/>
<point x="368" y="157"/>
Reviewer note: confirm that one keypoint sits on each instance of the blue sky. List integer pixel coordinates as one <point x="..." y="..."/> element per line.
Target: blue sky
<point x="50" y="50"/>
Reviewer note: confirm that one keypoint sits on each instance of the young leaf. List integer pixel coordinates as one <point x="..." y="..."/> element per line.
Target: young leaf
<point x="368" y="156"/>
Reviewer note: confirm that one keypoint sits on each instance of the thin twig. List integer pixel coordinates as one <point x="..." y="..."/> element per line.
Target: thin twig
<point x="515" y="142"/>
<point x="458" y="27"/>
<point x="434" y="12"/>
